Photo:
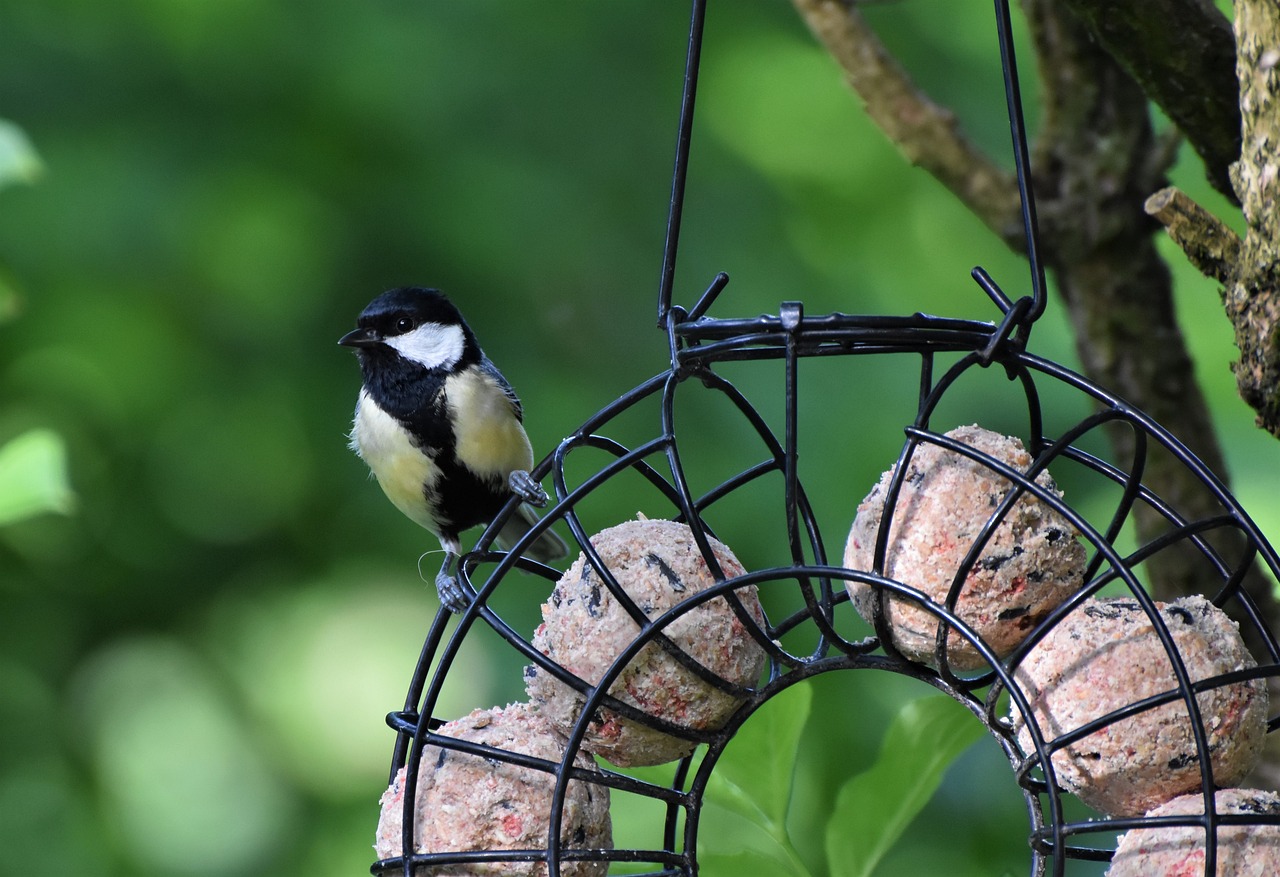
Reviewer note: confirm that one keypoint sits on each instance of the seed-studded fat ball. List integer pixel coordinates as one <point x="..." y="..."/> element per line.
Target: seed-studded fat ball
<point x="585" y="628"/>
<point x="1179" y="851"/>
<point x="467" y="802"/>
<point x="1029" y="566"/>
<point x="1106" y="655"/>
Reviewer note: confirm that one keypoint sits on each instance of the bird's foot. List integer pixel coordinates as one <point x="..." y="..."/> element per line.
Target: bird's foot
<point x="454" y="594"/>
<point x="523" y="486"/>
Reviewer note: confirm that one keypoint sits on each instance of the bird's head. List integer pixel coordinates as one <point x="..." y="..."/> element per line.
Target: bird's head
<point x="420" y="326"/>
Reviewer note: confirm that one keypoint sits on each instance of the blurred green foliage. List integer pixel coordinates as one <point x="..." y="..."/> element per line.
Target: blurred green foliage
<point x="33" y="477"/>
<point x="194" y="666"/>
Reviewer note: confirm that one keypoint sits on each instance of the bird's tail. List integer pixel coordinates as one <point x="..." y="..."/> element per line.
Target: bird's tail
<point x="547" y="548"/>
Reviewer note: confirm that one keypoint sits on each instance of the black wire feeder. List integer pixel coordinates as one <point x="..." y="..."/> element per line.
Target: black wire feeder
<point x="1227" y="548"/>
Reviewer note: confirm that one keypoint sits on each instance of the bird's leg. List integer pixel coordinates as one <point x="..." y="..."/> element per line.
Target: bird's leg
<point x="454" y="594"/>
<point x="523" y="486"/>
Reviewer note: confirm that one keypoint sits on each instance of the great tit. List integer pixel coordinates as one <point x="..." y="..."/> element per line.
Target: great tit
<point x="441" y="429"/>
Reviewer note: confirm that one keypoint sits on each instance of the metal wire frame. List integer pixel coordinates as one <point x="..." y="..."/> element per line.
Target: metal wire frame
<point x="698" y="346"/>
<point x="806" y="574"/>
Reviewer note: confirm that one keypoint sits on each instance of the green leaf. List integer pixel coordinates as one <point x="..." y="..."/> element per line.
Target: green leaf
<point x="875" y="807"/>
<point x="33" y="476"/>
<point x="19" y="162"/>
<point x="753" y="782"/>
<point x="730" y="843"/>
<point x="769" y="860"/>
<point x="754" y="777"/>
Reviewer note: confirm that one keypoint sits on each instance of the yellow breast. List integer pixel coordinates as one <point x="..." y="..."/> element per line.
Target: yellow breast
<point x="489" y="438"/>
<point x="401" y="469"/>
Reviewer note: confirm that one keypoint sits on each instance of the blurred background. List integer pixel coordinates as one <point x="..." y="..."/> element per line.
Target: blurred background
<point x="196" y="654"/>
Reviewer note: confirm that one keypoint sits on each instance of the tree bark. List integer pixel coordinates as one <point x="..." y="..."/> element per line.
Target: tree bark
<point x="1211" y="246"/>
<point x="1252" y="300"/>
<point x="1095" y="161"/>
<point x="1183" y="55"/>
<point x="1221" y="89"/>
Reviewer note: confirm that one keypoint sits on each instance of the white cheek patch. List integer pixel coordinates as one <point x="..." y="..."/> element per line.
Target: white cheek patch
<point x="431" y="345"/>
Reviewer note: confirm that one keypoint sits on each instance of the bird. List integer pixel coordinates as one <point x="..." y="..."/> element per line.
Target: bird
<point x="441" y="429"/>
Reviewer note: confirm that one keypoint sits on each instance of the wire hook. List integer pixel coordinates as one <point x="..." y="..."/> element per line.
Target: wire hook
<point x="1021" y="160"/>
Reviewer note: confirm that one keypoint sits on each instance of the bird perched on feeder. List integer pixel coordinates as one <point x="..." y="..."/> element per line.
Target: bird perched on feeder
<point x="441" y="429"/>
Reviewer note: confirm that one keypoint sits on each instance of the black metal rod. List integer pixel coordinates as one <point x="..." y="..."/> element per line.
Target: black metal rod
<point x="1021" y="159"/>
<point x="683" y="137"/>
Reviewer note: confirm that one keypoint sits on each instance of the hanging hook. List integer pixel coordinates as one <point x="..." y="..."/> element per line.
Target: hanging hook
<point x="1015" y="318"/>
<point x="1021" y="161"/>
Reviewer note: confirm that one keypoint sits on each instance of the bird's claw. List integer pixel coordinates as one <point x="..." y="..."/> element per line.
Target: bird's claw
<point x="523" y="486"/>
<point x="454" y="594"/>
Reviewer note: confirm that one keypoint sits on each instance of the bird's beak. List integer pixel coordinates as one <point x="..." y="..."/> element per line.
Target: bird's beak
<point x="360" y="338"/>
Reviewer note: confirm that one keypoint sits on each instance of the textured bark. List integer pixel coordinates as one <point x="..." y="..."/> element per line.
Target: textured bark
<point x="1207" y="241"/>
<point x="1182" y="53"/>
<point x="1096" y="159"/>
<point x="1095" y="162"/>
<point x="1253" y="301"/>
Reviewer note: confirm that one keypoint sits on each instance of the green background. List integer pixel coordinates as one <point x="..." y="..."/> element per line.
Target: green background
<point x="196" y="662"/>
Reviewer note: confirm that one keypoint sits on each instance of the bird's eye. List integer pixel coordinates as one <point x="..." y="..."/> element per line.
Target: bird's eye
<point x="404" y="324"/>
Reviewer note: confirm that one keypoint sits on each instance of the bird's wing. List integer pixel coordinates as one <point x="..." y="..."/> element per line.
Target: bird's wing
<point x="492" y="370"/>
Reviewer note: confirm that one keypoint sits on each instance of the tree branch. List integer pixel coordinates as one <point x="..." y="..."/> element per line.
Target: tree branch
<point x="1094" y="168"/>
<point x="1206" y="240"/>
<point x="1252" y="301"/>
<point x="1249" y="269"/>
<point x="1183" y="54"/>
<point x="1096" y="160"/>
<point x="926" y="133"/>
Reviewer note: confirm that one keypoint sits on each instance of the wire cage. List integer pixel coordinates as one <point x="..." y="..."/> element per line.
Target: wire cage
<point x="1129" y="537"/>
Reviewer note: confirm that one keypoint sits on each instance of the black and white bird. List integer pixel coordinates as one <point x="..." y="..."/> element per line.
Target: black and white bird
<point x="441" y="429"/>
